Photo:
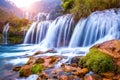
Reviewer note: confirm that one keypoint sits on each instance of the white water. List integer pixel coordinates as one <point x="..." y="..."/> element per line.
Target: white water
<point x="59" y="32"/>
<point x="37" y="32"/>
<point x="5" y="30"/>
<point x="98" y="27"/>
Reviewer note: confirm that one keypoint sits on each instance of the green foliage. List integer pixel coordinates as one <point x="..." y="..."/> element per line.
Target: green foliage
<point x="17" y="25"/>
<point x="67" y="5"/>
<point x="97" y="61"/>
<point x="37" y="68"/>
<point x="83" y="8"/>
<point x="15" y="39"/>
<point x="21" y="73"/>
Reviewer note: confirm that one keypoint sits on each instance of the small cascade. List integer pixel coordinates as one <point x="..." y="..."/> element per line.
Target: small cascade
<point x="59" y="32"/>
<point x="100" y="25"/>
<point x="41" y="17"/>
<point x="5" y="30"/>
<point x="37" y="32"/>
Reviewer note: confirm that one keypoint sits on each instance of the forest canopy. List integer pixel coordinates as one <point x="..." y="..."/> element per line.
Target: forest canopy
<point x="83" y="8"/>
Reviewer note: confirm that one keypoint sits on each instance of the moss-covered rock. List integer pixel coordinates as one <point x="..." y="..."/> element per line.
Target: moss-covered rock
<point x="98" y="61"/>
<point x="37" y="68"/>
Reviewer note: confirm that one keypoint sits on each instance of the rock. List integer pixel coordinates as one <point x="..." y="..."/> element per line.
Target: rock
<point x="31" y="61"/>
<point x="73" y="77"/>
<point x="111" y="48"/>
<point x="43" y="75"/>
<point x="107" y="75"/>
<point x="25" y="71"/>
<point x="69" y="68"/>
<point x="75" y="59"/>
<point x="92" y="77"/>
<point x="63" y="77"/>
<point x="38" y="52"/>
<point x="39" y="61"/>
<point x="51" y="51"/>
<point x="43" y="52"/>
<point x="17" y="68"/>
<point x="81" y="72"/>
<point x="107" y="79"/>
<point x="116" y="77"/>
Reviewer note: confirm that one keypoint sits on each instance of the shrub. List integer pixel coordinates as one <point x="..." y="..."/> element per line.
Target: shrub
<point x="83" y="8"/>
<point x="37" y="68"/>
<point x="97" y="61"/>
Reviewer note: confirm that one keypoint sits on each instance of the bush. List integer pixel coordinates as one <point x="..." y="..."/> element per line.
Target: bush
<point x="83" y="8"/>
<point x="67" y="5"/>
<point x="97" y="61"/>
<point x="37" y="68"/>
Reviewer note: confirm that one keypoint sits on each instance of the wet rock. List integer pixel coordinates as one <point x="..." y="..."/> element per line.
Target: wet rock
<point x="17" y="68"/>
<point x="92" y="77"/>
<point x="31" y="61"/>
<point x="111" y="48"/>
<point x="73" y="77"/>
<point x="25" y="71"/>
<point x="63" y="77"/>
<point x="36" y="65"/>
<point x="74" y="65"/>
<point x="69" y="68"/>
<point x="81" y="72"/>
<point x="50" y="61"/>
<point x="107" y="75"/>
<point x="116" y="77"/>
<point x="51" y="51"/>
<point x="43" y="76"/>
<point x="38" y="52"/>
<point x="75" y="59"/>
<point x="39" y="61"/>
<point x="107" y="79"/>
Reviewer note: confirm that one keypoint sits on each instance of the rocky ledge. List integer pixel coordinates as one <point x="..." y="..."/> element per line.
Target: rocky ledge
<point x="101" y="63"/>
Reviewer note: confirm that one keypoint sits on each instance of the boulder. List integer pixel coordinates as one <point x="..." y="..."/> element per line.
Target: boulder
<point x="92" y="77"/>
<point x="17" y="68"/>
<point x="111" y="48"/>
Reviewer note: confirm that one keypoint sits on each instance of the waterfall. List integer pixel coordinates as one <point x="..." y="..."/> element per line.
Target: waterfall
<point x="98" y="27"/>
<point x="5" y="30"/>
<point x="37" y="32"/>
<point x="59" y="32"/>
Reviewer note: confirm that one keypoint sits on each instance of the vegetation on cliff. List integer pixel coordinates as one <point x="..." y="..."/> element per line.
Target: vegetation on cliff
<point x="17" y="25"/>
<point x="83" y="8"/>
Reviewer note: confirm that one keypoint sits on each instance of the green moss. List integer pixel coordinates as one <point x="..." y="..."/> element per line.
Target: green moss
<point x="37" y="68"/>
<point x="21" y="73"/>
<point x="97" y="61"/>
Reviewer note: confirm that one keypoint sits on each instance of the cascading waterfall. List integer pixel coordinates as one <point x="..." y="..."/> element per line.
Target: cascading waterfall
<point x="5" y="30"/>
<point x="59" y="32"/>
<point x="99" y="26"/>
<point x="38" y="29"/>
<point x="37" y="32"/>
